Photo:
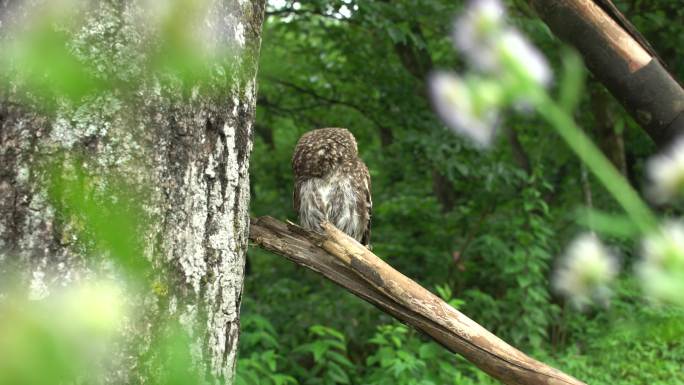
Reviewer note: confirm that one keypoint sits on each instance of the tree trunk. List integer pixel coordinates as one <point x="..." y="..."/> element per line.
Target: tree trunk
<point x="183" y="148"/>
<point x="622" y="60"/>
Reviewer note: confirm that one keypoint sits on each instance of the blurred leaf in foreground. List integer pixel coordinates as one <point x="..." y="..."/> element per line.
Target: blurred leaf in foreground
<point x="62" y="338"/>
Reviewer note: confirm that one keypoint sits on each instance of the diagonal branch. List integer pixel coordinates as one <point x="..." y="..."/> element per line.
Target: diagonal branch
<point x="352" y="266"/>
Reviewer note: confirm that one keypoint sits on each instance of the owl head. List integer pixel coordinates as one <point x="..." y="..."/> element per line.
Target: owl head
<point x="319" y="151"/>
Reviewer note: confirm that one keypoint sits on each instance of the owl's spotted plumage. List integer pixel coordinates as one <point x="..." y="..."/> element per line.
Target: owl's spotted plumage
<point x="332" y="183"/>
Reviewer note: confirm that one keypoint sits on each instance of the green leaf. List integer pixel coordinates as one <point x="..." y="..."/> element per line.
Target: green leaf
<point x="572" y="81"/>
<point x="617" y="225"/>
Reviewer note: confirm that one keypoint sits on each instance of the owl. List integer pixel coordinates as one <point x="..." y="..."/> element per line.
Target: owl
<point x="331" y="183"/>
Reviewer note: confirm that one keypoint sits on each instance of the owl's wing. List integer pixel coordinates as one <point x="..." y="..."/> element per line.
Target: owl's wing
<point x="296" y="200"/>
<point x="367" y="208"/>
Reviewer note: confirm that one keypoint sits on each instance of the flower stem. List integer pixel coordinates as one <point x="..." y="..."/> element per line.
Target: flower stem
<point x="607" y="174"/>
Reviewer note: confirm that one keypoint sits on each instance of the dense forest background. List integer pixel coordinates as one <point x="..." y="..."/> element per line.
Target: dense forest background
<point x="481" y="229"/>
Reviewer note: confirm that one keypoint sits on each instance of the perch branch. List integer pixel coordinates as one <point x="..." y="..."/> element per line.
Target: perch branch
<point x="352" y="266"/>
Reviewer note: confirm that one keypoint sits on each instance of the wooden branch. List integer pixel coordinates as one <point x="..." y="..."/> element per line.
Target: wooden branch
<point x="352" y="266"/>
<point x="623" y="62"/>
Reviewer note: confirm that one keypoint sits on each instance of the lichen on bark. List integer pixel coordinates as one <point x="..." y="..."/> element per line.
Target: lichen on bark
<point x="182" y="146"/>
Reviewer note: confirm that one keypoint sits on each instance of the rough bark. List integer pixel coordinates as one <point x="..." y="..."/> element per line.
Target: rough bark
<point x="352" y="266"/>
<point x="185" y="148"/>
<point x="628" y="68"/>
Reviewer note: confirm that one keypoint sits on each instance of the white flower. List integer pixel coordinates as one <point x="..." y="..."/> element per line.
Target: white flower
<point x="469" y="108"/>
<point x="93" y="309"/>
<point x="665" y="247"/>
<point x="476" y="30"/>
<point x="585" y="271"/>
<point x="491" y="46"/>
<point x="528" y="61"/>
<point x="666" y="172"/>
<point x="662" y="268"/>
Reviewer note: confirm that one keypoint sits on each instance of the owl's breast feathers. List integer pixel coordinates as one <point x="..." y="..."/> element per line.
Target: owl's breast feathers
<point x="332" y="183"/>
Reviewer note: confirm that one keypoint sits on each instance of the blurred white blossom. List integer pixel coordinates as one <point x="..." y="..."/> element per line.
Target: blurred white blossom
<point x="96" y="307"/>
<point x="476" y="32"/>
<point x="492" y="46"/>
<point x="469" y="108"/>
<point x="509" y="68"/>
<point x="666" y="173"/>
<point x="528" y="61"/>
<point x="585" y="271"/>
<point x="661" y="269"/>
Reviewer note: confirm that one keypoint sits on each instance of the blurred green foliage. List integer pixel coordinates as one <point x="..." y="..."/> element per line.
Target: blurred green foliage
<point x="483" y="229"/>
<point x="54" y="55"/>
<point x="101" y="212"/>
<point x="72" y="335"/>
<point x="48" y="342"/>
<point x="67" y="52"/>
